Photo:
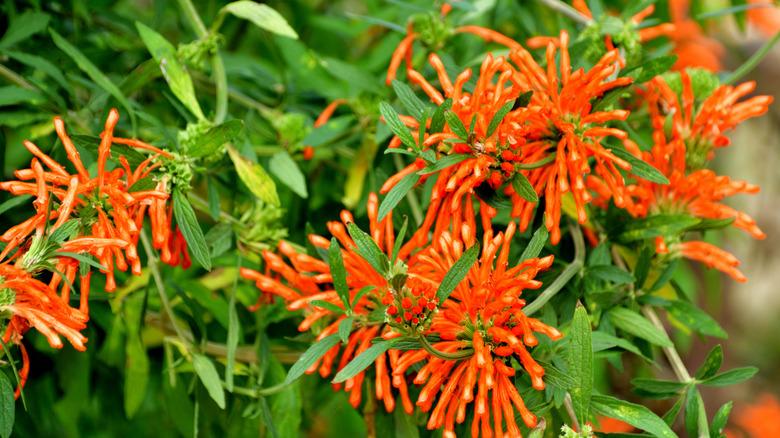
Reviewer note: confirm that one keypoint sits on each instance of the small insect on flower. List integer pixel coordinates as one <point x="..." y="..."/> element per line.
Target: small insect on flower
<point x="483" y="316"/>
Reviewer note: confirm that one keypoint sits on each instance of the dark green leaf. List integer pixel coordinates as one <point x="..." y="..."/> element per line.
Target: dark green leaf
<point x="368" y="249"/>
<point x="603" y="341"/>
<point x="23" y="26"/>
<point x="284" y="167"/>
<point x="179" y="80"/>
<point x="611" y="274"/>
<point x="83" y="258"/>
<point x="695" y="415"/>
<point x="327" y="305"/>
<point x="437" y="120"/>
<point x="657" y="225"/>
<point x="364" y="290"/>
<point x="633" y="414"/>
<point x="731" y="377"/>
<point x="658" y="386"/>
<point x="143" y="184"/>
<point x="671" y="415"/>
<point x="498" y="117"/>
<point x="338" y="272"/>
<point x="396" y="194"/>
<point x="190" y="229"/>
<point x="207" y="373"/>
<point x="345" y="328"/>
<point x="580" y="363"/>
<point x="651" y="69"/>
<point x="711" y="364"/>
<point x="212" y="140"/>
<point x="523" y="99"/>
<point x="7" y="406"/>
<point x="362" y="361"/>
<point x="443" y="163"/>
<point x="636" y="324"/>
<point x="456" y="125"/>
<point x="555" y="377"/>
<point x="396" y="125"/>
<point x="399" y="240"/>
<point x="404" y="425"/>
<point x="13" y="95"/>
<point x="41" y="64"/>
<point x="523" y="188"/>
<point x="14" y="202"/>
<point x="309" y="357"/>
<point x="721" y="418"/>
<point x="696" y="319"/>
<point x="409" y="100"/>
<point x="639" y="167"/>
<point x="536" y="244"/>
<point x="457" y="273"/>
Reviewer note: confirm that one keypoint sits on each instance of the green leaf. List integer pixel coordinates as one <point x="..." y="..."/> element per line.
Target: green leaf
<point x="255" y="178"/>
<point x="24" y="26"/>
<point x="233" y="335"/>
<point x="396" y="194"/>
<point x="207" y="373"/>
<point x="405" y="425"/>
<point x="345" y="328"/>
<point x="731" y="377"/>
<point x="650" y="69"/>
<point x="721" y="418"/>
<point x="671" y="415"/>
<point x="190" y="229"/>
<point x="711" y="363"/>
<point x="657" y="225"/>
<point x="7" y="406"/>
<point x="368" y="249"/>
<point x="396" y="125"/>
<point x="696" y="319"/>
<point x="179" y="80"/>
<point x="636" y="324"/>
<point x="362" y="361"/>
<point x="13" y="95"/>
<point x="695" y="414"/>
<point x="14" y="202"/>
<point x="457" y="273"/>
<point x="399" y="240"/>
<point x="338" y="272"/>
<point x="41" y="64"/>
<point x="631" y="413"/>
<point x="414" y="106"/>
<point x="580" y="363"/>
<point x="655" y="386"/>
<point x="364" y="290"/>
<point x="136" y="360"/>
<point x="523" y="99"/>
<point x="309" y="357"/>
<point x="327" y="305"/>
<point x="86" y="259"/>
<point x="498" y="117"/>
<point x="555" y="377"/>
<point x="143" y="184"/>
<point x="262" y="16"/>
<point x="639" y="167"/>
<point x="604" y="341"/>
<point x="536" y="244"/>
<point x="214" y="138"/>
<point x="523" y="188"/>
<point x="92" y="71"/>
<point x="456" y="125"/>
<point x="443" y="163"/>
<point x="284" y="167"/>
<point x="611" y="274"/>
<point x="437" y="120"/>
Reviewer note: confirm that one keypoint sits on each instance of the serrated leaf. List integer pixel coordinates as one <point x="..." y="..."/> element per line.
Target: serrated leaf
<point x="207" y="373"/>
<point x="286" y="169"/>
<point x="457" y="273"/>
<point x="177" y="77"/>
<point x="640" y="167"/>
<point x="190" y="228"/>
<point x="345" y="328"/>
<point x="711" y="363"/>
<point x="338" y="272"/>
<point x="414" y="106"/>
<point x="498" y="117"/>
<point x="7" y="406"/>
<point x="637" y="325"/>
<point x="309" y="357"/>
<point x="214" y="138"/>
<point x="396" y="125"/>
<point x="362" y="361"/>
<point x="580" y="363"/>
<point x="255" y="178"/>
<point x="536" y="244"/>
<point x="24" y="26"/>
<point x="443" y="163"/>
<point x="396" y="194"/>
<point x="457" y="127"/>
<point x="368" y="249"/>
<point x="262" y="16"/>
<point x="91" y="70"/>
<point x="524" y="189"/>
<point x="631" y="413"/>
<point x="731" y="377"/>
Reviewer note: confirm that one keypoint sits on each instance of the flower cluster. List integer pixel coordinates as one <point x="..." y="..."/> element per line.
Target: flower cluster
<point x="81" y="220"/>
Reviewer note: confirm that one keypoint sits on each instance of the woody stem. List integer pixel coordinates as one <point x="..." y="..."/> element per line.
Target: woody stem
<point x="427" y="346"/>
<point x="574" y="267"/>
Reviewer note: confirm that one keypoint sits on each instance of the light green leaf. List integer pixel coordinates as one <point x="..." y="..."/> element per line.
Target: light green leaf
<point x="207" y="373"/>
<point x="396" y="194"/>
<point x="345" y="328"/>
<point x="631" y="413"/>
<point x="368" y="249"/>
<point x="580" y="363"/>
<point x="456" y="125"/>
<point x="409" y="100"/>
<point x="524" y="189"/>
<point x="255" y="178"/>
<point x="457" y="273"/>
<point x="536" y="244"/>
<point x="213" y="139"/>
<point x="636" y="324"/>
<point x="262" y="16"/>
<point x="284" y="167"/>
<point x="173" y="71"/>
<point x="396" y="125"/>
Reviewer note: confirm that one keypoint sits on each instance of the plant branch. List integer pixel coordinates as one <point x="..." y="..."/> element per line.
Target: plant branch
<point x="441" y="354"/>
<point x="14" y="78"/>
<point x="569" y="405"/>
<point x="671" y="353"/>
<point x="574" y="267"/>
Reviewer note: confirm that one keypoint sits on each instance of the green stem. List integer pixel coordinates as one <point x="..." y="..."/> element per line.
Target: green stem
<point x="574" y="267"/>
<point x="753" y="61"/>
<point x="414" y="203"/>
<point x="15" y="78"/>
<point x="671" y="353"/>
<point x="567" y="11"/>
<point x="537" y="164"/>
<point x="462" y="354"/>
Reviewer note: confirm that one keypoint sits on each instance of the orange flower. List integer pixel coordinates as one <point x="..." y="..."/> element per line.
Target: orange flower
<point x="679" y="154"/>
<point x="692" y="47"/>
<point x="757" y="420"/>
<point x="107" y="206"/>
<point x="306" y="279"/>
<point x="765" y="16"/>
<point x="483" y="314"/>
<point x="554" y="142"/>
